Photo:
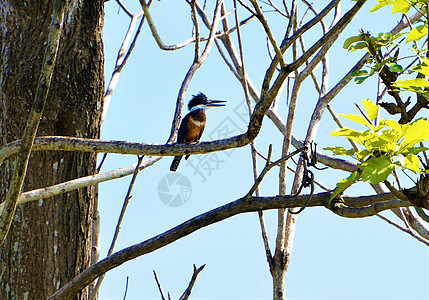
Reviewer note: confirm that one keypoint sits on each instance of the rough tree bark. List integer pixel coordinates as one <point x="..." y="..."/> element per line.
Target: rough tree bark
<point x="49" y="242"/>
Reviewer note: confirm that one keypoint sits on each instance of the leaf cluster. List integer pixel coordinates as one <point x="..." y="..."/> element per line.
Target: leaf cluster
<point x="373" y="45"/>
<point x="386" y="146"/>
<point x="384" y="64"/>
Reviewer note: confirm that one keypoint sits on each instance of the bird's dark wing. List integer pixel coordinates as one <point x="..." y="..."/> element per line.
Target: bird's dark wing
<point x="181" y="135"/>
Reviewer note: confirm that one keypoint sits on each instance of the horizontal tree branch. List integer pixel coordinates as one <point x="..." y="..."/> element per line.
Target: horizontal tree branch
<point x="63" y="143"/>
<point x="372" y="205"/>
<point x="68" y="186"/>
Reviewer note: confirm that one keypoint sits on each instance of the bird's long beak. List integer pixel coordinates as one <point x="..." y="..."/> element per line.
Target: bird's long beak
<point x="215" y="103"/>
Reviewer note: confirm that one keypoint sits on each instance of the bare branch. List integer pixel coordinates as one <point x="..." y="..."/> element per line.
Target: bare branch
<point x="242" y="205"/>
<point x="406" y="230"/>
<point x="78" y="183"/>
<point x="155" y="34"/>
<point x="123" y="55"/>
<point x="270" y="35"/>
<point x="371" y="210"/>
<point x="123" y="147"/>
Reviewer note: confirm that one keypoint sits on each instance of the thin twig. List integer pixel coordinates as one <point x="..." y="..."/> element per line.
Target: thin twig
<point x="126" y="288"/>
<point x="188" y="290"/>
<point x="267" y="29"/>
<point x="268" y="167"/>
<point x="123" y="54"/>
<point x="159" y="285"/>
<point x="118" y="225"/>
<point x="101" y="163"/>
<point x="406" y="230"/>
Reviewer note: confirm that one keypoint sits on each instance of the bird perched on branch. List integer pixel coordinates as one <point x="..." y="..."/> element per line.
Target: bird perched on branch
<point x="193" y="123"/>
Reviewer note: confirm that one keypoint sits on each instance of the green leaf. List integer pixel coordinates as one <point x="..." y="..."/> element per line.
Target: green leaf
<point x="359" y="80"/>
<point x="344" y="184"/>
<point x="413" y="150"/>
<point x="352" y="40"/>
<point x="359" y="73"/>
<point x="358" y="46"/>
<point x="348" y="133"/>
<point x="402" y="6"/>
<point x="395" y="68"/>
<point x="396" y="127"/>
<point x="371" y="109"/>
<point x="417" y="33"/>
<point x="377" y="169"/>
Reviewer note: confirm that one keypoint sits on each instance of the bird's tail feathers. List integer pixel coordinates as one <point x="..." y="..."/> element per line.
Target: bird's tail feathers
<point x="175" y="163"/>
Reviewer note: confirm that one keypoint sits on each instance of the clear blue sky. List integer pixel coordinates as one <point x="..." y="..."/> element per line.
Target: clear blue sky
<point x="333" y="257"/>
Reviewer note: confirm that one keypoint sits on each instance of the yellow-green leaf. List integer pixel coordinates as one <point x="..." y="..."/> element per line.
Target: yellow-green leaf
<point x="382" y="3"/>
<point x="371" y="109"/>
<point x="416" y="132"/>
<point x="422" y="68"/>
<point x="412" y="162"/>
<point x="376" y="169"/>
<point x="402" y="6"/>
<point x="356" y="118"/>
<point x="344" y="184"/>
<point x="392" y="124"/>
<point x="412" y="84"/>
<point x="417" y="33"/>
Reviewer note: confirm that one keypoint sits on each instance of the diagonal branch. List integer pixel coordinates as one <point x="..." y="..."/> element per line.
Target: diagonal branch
<point x="196" y="64"/>
<point x="242" y="205"/>
<point x="159" y="285"/>
<point x="268" y="167"/>
<point x="36" y="113"/>
<point x="123" y="55"/>
<point x="79" y="183"/>
<point x="267" y="29"/>
<point x="155" y="32"/>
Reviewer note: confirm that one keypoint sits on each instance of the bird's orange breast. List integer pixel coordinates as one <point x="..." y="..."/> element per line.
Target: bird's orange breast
<point x="195" y="128"/>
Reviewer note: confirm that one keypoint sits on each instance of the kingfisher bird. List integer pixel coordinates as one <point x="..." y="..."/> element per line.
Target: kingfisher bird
<point x="193" y="123"/>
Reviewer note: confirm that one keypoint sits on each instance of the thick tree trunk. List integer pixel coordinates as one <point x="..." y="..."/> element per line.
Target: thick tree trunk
<point x="50" y="241"/>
